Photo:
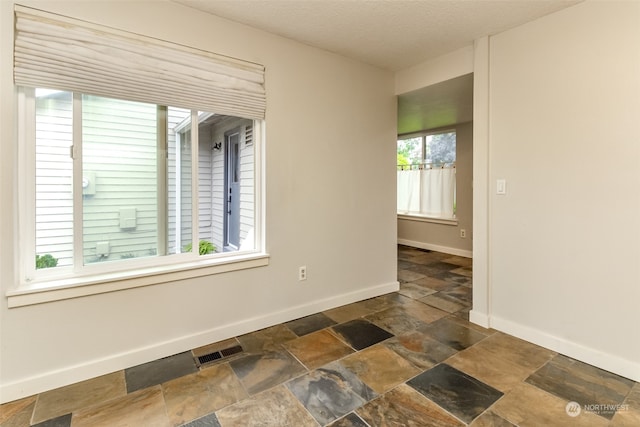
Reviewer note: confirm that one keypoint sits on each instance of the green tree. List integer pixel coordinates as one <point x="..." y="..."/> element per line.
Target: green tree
<point x="402" y="160"/>
<point x="410" y="149"/>
<point x="441" y="148"/>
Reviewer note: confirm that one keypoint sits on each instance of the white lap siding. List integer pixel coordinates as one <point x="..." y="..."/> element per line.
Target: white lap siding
<point x="54" y="197"/>
<point x="120" y="158"/>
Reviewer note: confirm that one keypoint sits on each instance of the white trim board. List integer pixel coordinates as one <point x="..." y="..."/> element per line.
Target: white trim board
<point x="115" y="362"/>
<point x="444" y="249"/>
<point x="609" y="362"/>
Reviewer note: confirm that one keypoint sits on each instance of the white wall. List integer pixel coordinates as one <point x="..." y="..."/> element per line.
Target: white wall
<point x="436" y="70"/>
<point x="323" y="210"/>
<point x="564" y="263"/>
<point x="445" y="237"/>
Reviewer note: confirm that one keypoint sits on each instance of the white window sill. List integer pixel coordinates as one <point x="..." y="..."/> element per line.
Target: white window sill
<point x="424" y="218"/>
<point x="56" y="290"/>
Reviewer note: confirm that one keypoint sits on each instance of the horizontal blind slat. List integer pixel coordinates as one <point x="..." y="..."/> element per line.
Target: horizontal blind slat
<point x="66" y="54"/>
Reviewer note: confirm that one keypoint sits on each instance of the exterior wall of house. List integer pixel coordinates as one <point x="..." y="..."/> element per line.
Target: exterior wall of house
<point x="247" y="181"/>
<point x="121" y="173"/>
<point x="54" y="193"/>
<point x="120" y="152"/>
<point x="129" y="181"/>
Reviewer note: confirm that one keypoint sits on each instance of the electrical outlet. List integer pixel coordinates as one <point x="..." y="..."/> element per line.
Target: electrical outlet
<point x="463" y="233"/>
<point x="302" y="273"/>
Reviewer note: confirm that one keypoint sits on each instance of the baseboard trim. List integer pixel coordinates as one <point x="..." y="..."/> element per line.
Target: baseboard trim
<point x="438" y="248"/>
<point x="58" y="378"/>
<point x="602" y="360"/>
<point x="480" y="319"/>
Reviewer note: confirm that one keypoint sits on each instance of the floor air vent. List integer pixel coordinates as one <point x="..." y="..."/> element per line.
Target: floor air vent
<point x="217" y="355"/>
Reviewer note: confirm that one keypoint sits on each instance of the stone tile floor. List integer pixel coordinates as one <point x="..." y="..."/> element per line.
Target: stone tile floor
<point x="409" y="358"/>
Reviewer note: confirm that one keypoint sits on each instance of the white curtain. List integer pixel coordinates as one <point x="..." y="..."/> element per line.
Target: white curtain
<point x="57" y="52"/>
<point x="429" y="192"/>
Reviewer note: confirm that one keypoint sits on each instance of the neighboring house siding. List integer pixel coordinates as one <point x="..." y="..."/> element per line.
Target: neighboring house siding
<point x="218" y="191"/>
<point x="247" y="181"/>
<point x="175" y="116"/>
<point x="120" y="158"/>
<point x="120" y="150"/>
<point x="246" y="213"/>
<point x="54" y="197"/>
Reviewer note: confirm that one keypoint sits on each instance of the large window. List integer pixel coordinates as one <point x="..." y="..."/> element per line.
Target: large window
<point x="140" y="159"/>
<point x="427" y="175"/>
<point x="123" y="184"/>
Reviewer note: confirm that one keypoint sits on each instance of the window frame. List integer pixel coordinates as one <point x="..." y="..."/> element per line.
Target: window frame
<point x="451" y="221"/>
<point x="103" y="277"/>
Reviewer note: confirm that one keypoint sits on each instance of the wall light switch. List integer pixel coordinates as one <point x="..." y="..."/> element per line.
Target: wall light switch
<point x="501" y="186"/>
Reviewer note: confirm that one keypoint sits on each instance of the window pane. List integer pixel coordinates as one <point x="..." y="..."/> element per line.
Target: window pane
<point x="441" y="148"/>
<point x="178" y="171"/>
<point x="119" y="179"/>
<point x="54" y="167"/>
<point x="410" y="151"/>
<point x="226" y="183"/>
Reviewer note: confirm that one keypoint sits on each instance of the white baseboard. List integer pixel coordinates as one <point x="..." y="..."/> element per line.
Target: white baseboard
<point x="444" y="249"/>
<point x="115" y="362"/>
<point x="478" y="318"/>
<point x="608" y="362"/>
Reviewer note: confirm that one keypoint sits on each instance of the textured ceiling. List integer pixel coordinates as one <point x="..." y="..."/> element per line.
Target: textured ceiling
<point x="391" y="34"/>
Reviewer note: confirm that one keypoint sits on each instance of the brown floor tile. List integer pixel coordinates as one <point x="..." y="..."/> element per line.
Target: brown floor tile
<point x="453" y="334"/>
<point x="458" y="260"/>
<point x="260" y="372"/>
<point x="380" y="368"/>
<point x="585" y="384"/>
<point x="275" y="407"/>
<point x="396" y="320"/>
<point x="348" y="312"/>
<point x="633" y="398"/>
<point x="415" y="291"/>
<point x="463" y="271"/>
<point x="489" y="419"/>
<point x="350" y="420"/>
<point x="528" y="406"/>
<point x="467" y="324"/>
<point x="515" y="350"/>
<point x="488" y="368"/>
<point x="67" y="399"/>
<point x="420" y="350"/>
<point x="443" y="302"/>
<point x="318" y="348"/>
<point x="143" y="408"/>
<point x="424" y="312"/>
<point x="268" y="339"/>
<point x="404" y="406"/>
<point x="383" y="302"/>
<point x="432" y="283"/>
<point x="409" y="276"/>
<point x="10" y="409"/>
<point x="626" y="418"/>
<point x="17" y="413"/>
<point x="195" y="395"/>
